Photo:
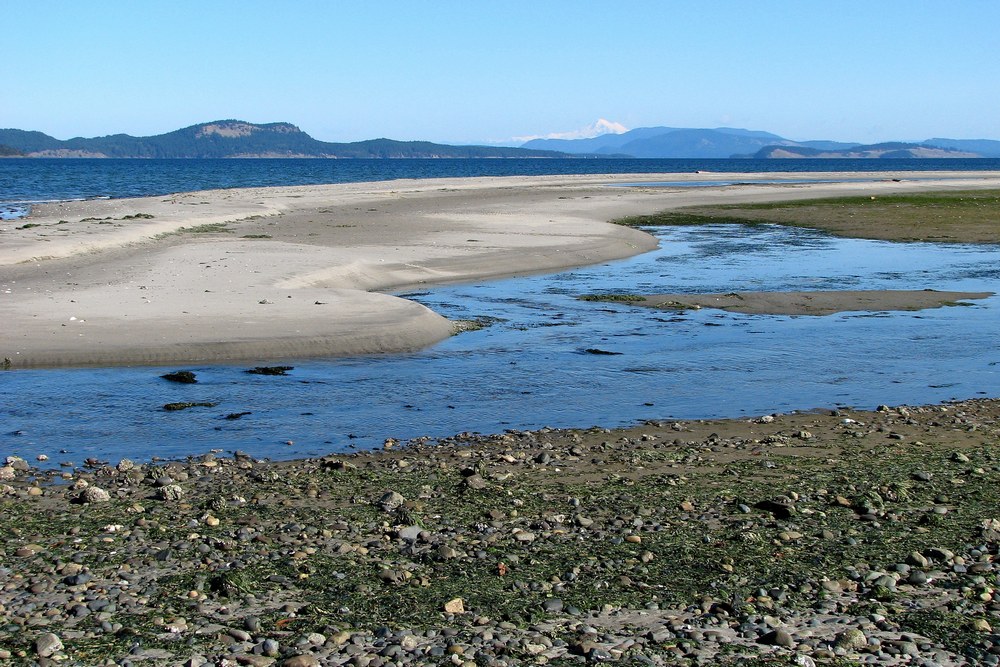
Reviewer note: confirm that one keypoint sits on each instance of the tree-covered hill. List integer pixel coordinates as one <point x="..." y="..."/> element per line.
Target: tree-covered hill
<point x="234" y="138"/>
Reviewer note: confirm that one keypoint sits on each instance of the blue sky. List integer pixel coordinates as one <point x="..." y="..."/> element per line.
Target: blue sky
<point x="467" y="71"/>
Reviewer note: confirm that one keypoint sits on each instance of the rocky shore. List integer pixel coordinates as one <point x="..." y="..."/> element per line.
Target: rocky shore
<point x="840" y="537"/>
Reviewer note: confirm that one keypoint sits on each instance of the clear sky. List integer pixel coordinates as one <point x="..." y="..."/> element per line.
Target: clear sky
<point x="470" y="71"/>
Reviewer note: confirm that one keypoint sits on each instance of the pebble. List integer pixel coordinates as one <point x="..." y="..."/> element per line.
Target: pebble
<point x="391" y="501"/>
<point x="410" y="533"/>
<point x="778" y="637"/>
<point x="475" y="482"/>
<point x="94" y="494"/>
<point x="48" y="645"/>
<point x="553" y="605"/>
<point x="170" y="492"/>
<point x="455" y="606"/>
<point x="302" y="660"/>
<point x="851" y="640"/>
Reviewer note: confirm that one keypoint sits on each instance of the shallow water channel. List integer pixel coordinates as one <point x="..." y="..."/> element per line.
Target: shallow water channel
<point x="530" y="368"/>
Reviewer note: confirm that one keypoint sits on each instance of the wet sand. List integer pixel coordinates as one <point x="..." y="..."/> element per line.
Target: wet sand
<point x="275" y="273"/>
<point x="819" y="302"/>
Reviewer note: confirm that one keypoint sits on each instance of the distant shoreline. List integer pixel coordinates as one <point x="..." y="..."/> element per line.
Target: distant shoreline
<point x="238" y="138"/>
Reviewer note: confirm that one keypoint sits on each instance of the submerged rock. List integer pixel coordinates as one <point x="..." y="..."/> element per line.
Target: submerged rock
<point x="183" y="377"/>
<point x="174" y="407"/>
<point x="270" y="370"/>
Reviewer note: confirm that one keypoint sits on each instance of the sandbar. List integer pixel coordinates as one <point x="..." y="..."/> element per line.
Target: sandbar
<point x="261" y="274"/>
<point x="815" y="302"/>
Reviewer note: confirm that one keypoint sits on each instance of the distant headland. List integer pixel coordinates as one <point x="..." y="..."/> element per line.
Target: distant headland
<point x="727" y="142"/>
<point x="240" y="139"/>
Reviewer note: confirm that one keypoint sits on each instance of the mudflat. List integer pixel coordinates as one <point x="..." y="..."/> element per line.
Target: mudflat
<point x="818" y="302"/>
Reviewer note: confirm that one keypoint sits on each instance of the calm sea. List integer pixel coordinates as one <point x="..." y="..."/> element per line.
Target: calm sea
<point x="23" y="181"/>
<point x="531" y="367"/>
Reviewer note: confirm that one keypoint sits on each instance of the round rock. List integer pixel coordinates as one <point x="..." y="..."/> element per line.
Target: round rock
<point x="48" y="645"/>
<point x="94" y="494"/>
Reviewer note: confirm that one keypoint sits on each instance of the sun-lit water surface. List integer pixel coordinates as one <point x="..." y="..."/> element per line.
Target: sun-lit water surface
<point x="531" y="368"/>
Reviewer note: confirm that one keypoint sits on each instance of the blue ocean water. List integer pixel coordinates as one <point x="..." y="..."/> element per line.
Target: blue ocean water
<point x="531" y="369"/>
<point x="23" y="181"/>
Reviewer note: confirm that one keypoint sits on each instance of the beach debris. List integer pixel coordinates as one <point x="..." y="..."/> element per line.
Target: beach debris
<point x="182" y="377"/>
<point x="596" y="350"/>
<point x="269" y="370"/>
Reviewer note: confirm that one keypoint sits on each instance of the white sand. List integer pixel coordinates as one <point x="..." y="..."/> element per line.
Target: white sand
<point x="116" y="291"/>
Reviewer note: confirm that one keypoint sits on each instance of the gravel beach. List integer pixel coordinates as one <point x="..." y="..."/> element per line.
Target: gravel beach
<point x="822" y="538"/>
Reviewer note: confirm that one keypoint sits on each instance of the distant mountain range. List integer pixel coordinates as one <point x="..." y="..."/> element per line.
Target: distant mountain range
<point x="239" y="139"/>
<point x="726" y="142"/>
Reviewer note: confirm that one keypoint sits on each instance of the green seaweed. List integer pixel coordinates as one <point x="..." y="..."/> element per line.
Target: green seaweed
<point x="174" y="407"/>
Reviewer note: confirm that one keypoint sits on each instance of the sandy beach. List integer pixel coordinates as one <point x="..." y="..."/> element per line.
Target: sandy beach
<point x="273" y="273"/>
